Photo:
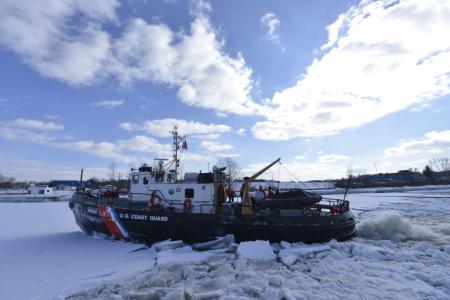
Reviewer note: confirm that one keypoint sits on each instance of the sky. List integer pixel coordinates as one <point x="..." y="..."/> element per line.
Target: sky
<point x="326" y="85"/>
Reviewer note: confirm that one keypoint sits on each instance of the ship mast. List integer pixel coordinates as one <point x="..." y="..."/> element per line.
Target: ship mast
<point x="177" y="140"/>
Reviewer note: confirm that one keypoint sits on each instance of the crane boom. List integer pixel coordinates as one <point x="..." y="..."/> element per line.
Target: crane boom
<point x="246" y="208"/>
<point x="254" y="176"/>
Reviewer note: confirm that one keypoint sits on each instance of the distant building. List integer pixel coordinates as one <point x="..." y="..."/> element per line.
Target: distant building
<point x="40" y="190"/>
<point x="65" y="185"/>
<point x="69" y="185"/>
<point x="402" y="176"/>
<point x="442" y="175"/>
<point x="409" y="175"/>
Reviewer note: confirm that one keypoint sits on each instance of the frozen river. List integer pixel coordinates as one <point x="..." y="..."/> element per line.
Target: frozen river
<point x="401" y="252"/>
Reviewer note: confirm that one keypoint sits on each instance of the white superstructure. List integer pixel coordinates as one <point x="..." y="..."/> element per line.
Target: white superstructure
<point x="202" y="191"/>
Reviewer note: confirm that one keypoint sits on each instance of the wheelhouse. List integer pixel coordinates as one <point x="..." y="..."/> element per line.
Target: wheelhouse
<point x="160" y="188"/>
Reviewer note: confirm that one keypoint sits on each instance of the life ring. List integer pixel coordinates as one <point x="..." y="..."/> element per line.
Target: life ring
<point x="155" y="200"/>
<point x="187" y="206"/>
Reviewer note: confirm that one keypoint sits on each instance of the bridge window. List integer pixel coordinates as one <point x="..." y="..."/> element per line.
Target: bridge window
<point x="145" y="180"/>
<point x="189" y="193"/>
<point x="135" y="179"/>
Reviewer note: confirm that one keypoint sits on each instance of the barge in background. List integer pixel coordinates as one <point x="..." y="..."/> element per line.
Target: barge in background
<point x="161" y="206"/>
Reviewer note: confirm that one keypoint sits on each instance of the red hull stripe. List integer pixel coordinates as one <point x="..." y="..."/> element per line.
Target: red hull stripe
<point x="112" y="222"/>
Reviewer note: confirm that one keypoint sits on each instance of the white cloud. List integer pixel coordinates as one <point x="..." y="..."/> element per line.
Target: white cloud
<point x="36" y="124"/>
<point x="221" y="114"/>
<point x="241" y="131"/>
<point x="211" y="136"/>
<point x="270" y="23"/>
<point x="53" y="117"/>
<point x="433" y="142"/>
<point x="206" y="76"/>
<point x="117" y="150"/>
<point x="25" y="135"/>
<point x="214" y="146"/>
<point x="163" y="127"/>
<point x="102" y="149"/>
<point x="39" y="171"/>
<point x="230" y="155"/>
<point x="39" y="32"/>
<point x="65" y="40"/>
<point x="144" y="52"/>
<point x="129" y="126"/>
<point x="140" y="143"/>
<point x="34" y="131"/>
<point x="108" y="103"/>
<point x="335" y="29"/>
<point x="328" y="166"/>
<point x="331" y="158"/>
<point x="189" y="156"/>
<point x="301" y="170"/>
<point x="29" y="130"/>
<point x="124" y="151"/>
<point x="381" y="58"/>
<point x="200" y="7"/>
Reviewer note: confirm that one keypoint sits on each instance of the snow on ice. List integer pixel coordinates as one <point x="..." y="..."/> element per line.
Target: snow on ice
<point x="43" y="253"/>
<point x="401" y="252"/>
<point x="256" y="250"/>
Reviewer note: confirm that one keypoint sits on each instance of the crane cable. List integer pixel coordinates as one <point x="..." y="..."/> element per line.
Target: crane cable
<point x="289" y="171"/>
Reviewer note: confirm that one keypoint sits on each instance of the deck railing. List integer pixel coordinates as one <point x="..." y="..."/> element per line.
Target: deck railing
<point x="327" y="206"/>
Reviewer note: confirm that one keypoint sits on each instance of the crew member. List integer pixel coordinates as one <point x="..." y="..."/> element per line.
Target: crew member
<point x="230" y="192"/>
<point x="270" y="192"/>
<point x="241" y="192"/>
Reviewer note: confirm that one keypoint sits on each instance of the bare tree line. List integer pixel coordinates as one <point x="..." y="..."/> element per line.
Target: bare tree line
<point x="441" y="164"/>
<point x="232" y="167"/>
<point x="7" y="182"/>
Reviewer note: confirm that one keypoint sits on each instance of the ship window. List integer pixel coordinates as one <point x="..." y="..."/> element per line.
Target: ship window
<point x="189" y="193"/>
<point x="135" y="179"/>
<point x="145" y="180"/>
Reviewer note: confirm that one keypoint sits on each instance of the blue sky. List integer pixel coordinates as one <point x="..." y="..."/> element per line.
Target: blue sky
<point x="325" y="85"/>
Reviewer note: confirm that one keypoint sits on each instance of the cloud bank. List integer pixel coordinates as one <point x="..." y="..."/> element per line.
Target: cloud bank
<point x="66" y="40"/>
<point x="433" y="142"/>
<point x="381" y="57"/>
<point x="163" y="128"/>
<point x="49" y="134"/>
